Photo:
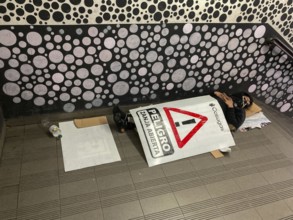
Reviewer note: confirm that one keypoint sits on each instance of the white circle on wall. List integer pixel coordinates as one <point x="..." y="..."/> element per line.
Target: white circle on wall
<point x="27" y="95"/>
<point x="40" y="61"/>
<point x="97" y="70"/>
<point x="223" y="40"/>
<point x="88" y="84"/>
<point x="125" y="74"/>
<point x="120" y="88"/>
<point x="247" y="33"/>
<point x="178" y="75"/>
<point x="34" y="38"/>
<point x="285" y="107"/>
<point x="115" y="66"/>
<point x="260" y="31"/>
<point x="187" y="28"/>
<point x="79" y="52"/>
<point x="157" y="67"/>
<point x="76" y="91"/>
<point x="151" y="56"/>
<point x="39" y="101"/>
<point x="109" y="42"/>
<point x="171" y="63"/>
<point x="11" y="89"/>
<point x="55" y="56"/>
<point x="7" y="37"/>
<point x="194" y="38"/>
<point x="227" y="66"/>
<point x="169" y="50"/>
<point x="26" y="69"/>
<point x="82" y="73"/>
<point x="93" y="31"/>
<point x="88" y="96"/>
<point x="133" y="41"/>
<point x="112" y="78"/>
<point x="40" y="89"/>
<point x="252" y="88"/>
<point x="189" y="84"/>
<point x="233" y="44"/>
<point x="210" y="61"/>
<point x="194" y="59"/>
<point x="69" y="107"/>
<point x="270" y="72"/>
<point x="4" y="53"/>
<point x="133" y="55"/>
<point x="174" y="39"/>
<point x="12" y="75"/>
<point x="105" y="55"/>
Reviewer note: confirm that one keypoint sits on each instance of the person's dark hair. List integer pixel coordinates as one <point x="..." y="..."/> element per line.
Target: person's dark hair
<point x="239" y="95"/>
<point x="251" y="100"/>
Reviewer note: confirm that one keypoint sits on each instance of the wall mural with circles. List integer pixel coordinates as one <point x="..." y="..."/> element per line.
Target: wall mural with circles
<point x="277" y="13"/>
<point x="65" y="55"/>
<point x="49" y="68"/>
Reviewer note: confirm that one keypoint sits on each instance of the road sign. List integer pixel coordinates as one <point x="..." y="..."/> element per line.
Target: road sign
<point x="176" y="125"/>
<point x="180" y="129"/>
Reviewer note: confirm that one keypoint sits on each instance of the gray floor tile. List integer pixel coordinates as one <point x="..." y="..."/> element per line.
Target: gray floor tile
<point x="145" y="174"/>
<point x="253" y="153"/>
<point x="91" y="215"/>
<point x="78" y="188"/>
<point x="223" y="188"/>
<point x="194" y="194"/>
<point x="177" y="167"/>
<point x="112" y="181"/>
<point x="10" y="171"/>
<point x="205" y="162"/>
<point x="158" y="203"/>
<point x="16" y="131"/>
<point x="274" y="210"/>
<point x="124" y="211"/>
<point x="233" y="157"/>
<point x="36" y="196"/>
<point x="289" y="202"/>
<point x="250" y="214"/>
<point x="251" y="181"/>
<point x="39" y="166"/>
<point x="277" y="175"/>
<point x="8" y="202"/>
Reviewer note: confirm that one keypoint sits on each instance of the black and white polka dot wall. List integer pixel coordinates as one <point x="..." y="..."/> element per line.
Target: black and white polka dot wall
<point x="278" y="13"/>
<point x="84" y="67"/>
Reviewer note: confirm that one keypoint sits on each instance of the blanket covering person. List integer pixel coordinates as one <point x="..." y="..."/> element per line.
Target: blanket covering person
<point x="233" y="107"/>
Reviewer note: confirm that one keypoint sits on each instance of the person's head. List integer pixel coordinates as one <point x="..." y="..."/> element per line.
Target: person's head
<point x="242" y="100"/>
<point x="246" y="101"/>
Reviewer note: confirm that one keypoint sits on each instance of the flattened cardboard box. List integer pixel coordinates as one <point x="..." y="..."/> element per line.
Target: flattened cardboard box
<point x="89" y="122"/>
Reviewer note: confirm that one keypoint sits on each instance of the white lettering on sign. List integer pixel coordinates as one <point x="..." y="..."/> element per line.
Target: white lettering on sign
<point x="215" y="110"/>
<point x="155" y="132"/>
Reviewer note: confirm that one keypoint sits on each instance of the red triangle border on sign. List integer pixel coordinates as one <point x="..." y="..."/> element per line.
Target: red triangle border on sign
<point x="182" y="142"/>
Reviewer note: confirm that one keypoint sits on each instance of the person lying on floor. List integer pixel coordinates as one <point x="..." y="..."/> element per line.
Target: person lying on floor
<point x="233" y="107"/>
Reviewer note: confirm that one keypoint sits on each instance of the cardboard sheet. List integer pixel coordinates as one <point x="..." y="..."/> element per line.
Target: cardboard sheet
<point x="180" y="129"/>
<point x="88" y="122"/>
<point x="89" y="146"/>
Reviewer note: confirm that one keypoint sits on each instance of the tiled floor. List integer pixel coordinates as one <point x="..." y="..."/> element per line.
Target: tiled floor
<point x="254" y="182"/>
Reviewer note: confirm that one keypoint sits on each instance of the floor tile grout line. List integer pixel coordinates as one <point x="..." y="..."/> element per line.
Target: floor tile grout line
<point x="22" y="152"/>
<point x="58" y="160"/>
<point x="136" y="190"/>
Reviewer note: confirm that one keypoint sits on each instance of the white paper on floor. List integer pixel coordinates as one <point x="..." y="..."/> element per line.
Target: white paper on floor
<point x="86" y="147"/>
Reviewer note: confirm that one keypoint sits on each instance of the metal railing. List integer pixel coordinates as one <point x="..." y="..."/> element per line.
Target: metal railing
<point x="281" y="45"/>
